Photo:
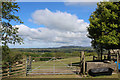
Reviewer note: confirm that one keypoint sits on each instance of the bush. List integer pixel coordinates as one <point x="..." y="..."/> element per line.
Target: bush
<point x="9" y="57"/>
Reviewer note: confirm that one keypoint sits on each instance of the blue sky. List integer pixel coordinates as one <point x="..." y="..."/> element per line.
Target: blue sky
<point x="82" y="10"/>
<point x="42" y="17"/>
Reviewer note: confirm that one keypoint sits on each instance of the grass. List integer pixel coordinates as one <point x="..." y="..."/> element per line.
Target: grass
<point x="50" y="76"/>
<point x="105" y="76"/>
<point x="61" y="62"/>
<point x="60" y="66"/>
<point x="57" y="66"/>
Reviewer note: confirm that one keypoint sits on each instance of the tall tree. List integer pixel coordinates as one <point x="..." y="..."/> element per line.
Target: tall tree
<point x="104" y="27"/>
<point x="9" y="33"/>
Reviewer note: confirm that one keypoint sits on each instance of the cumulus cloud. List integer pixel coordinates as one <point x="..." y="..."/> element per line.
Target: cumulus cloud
<point x="61" y="29"/>
<point x="44" y="37"/>
<point x="61" y="21"/>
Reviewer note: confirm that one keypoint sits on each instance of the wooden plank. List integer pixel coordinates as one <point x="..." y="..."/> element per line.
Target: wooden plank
<point x="84" y="64"/>
<point x="5" y="73"/>
<point x="83" y="61"/>
<point x="17" y="71"/>
<point x="4" y="76"/>
<point x="23" y="67"/>
<point x="6" y="69"/>
<point x="8" y="74"/>
<point x="13" y="75"/>
<point x="18" y="65"/>
<point x="25" y="62"/>
<point x="17" y="74"/>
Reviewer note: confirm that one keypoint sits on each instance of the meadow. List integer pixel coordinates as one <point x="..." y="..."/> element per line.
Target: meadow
<point x="55" y="66"/>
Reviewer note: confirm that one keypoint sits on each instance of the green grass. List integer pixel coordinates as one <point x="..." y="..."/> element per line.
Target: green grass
<point x="50" y="76"/>
<point x="60" y="66"/>
<point x="60" y="62"/>
<point x="105" y="76"/>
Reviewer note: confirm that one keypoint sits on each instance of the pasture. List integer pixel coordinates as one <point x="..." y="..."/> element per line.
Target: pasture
<point x="57" y="66"/>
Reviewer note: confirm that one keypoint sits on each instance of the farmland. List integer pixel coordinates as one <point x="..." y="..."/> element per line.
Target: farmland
<point x="70" y="56"/>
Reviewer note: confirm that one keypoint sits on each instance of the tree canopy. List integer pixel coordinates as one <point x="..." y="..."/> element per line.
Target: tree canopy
<point x="10" y="33"/>
<point x="104" y="27"/>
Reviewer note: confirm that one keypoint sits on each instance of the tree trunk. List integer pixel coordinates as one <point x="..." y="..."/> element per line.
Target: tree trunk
<point x="109" y="58"/>
<point x="99" y="56"/>
<point x="101" y="53"/>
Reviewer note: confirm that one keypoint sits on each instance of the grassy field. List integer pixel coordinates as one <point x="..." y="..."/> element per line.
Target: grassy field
<point x="55" y="66"/>
<point x="59" y="62"/>
<point x="60" y="66"/>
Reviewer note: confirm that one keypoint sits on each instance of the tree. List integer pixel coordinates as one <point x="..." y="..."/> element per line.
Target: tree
<point x="9" y="57"/>
<point x="104" y="27"/>
<point x="9" y="33"/>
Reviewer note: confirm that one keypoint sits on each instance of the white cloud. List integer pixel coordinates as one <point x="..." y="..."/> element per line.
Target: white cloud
<point x="44" y="37"/>
<point x="61" y="21"/>
<point x="61" y="29"/>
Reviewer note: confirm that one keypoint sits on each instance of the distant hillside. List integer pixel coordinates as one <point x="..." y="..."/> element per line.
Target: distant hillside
<point x="73" y="47"/>
<point x="70" y="47"/>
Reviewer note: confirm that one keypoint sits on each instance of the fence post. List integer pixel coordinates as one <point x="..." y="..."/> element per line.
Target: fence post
<point x="8" y="74"/>
<point x="118" y="61"/>
<point x="83" y="62"/>
<point x="9" y="67"/>
<point x="30" y="61"/>
<point x="80" y="63"/>
<point x="25" y="65"/>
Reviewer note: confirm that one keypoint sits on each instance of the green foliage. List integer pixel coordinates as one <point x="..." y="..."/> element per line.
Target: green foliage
<point x="31" y="54"/>
<point x="47" y="55"/>
<point x="9" y="56"/>
<point x="104" y="28"/>
<point x="52" y="52"/>
<point x="10" y="33"/>
<point x="90" y="54"/>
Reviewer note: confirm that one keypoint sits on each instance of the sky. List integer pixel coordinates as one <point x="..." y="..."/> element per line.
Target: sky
<point x="54" y="24"/>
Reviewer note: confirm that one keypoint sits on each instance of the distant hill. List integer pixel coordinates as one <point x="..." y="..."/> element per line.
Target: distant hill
<point x="70" y="47"/>
<point x="56" y="47"/>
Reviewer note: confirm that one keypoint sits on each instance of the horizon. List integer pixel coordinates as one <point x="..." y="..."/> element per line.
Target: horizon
<point x="53" y="47"/>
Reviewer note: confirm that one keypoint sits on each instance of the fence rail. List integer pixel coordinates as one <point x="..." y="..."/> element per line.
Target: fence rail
<point x="18" y="68"/>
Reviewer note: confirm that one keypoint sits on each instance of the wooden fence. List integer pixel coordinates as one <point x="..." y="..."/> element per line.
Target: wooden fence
<point x="18" y="68"/>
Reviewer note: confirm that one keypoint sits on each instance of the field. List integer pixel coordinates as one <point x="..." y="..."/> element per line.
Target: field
<point x="59" y="66"/>
<point x="55" y="66"/>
